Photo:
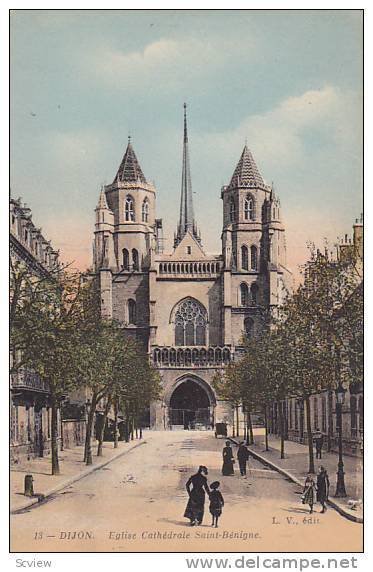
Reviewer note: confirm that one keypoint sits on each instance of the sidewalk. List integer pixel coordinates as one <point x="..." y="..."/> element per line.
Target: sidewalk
<point x="295" y="467"/>
<point x="72" y="469"/>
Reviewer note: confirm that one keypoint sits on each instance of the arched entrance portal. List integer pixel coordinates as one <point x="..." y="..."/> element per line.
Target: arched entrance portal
<point x="190" y="406"/>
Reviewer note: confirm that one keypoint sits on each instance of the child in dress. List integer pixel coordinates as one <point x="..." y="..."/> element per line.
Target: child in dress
<point x="309" y="492"/>
<point x="216" y="502"/>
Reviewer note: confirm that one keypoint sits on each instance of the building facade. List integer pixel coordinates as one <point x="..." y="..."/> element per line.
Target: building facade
<point x="323" y="404"/>
<point x="188" y="307"/>
<point x="30" y="415"/>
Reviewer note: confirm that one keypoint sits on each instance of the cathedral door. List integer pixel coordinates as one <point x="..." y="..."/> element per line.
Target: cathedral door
<point x="190" y="406"/>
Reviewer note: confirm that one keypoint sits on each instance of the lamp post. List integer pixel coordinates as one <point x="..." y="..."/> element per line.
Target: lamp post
<point x="340" y="398"/>
<point x="88" y="456"/>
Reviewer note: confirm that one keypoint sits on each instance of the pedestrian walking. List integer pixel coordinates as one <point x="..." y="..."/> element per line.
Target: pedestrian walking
<point x="216" y="503"/>
<point x="196" y="487"/>
<point x="323" y="485"/>
<point x="228" y="460"/>
<point x="242" y="456"/>
<point x="319" y="441"/>
<point x="309" y="492"/>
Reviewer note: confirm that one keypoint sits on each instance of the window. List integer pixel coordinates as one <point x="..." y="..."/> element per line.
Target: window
<point x="254" y="257"/>
<point x="244" y="258"/>
<point x="189" y="250"/>
<point x="353" y="416"/>
<point x="145" y="211"/>
<point x="254" y="293"/>
<point x="249" y="208"/>
<point x="315" y="413"/>
<point x="132" y="311"/>
<point x="323" y="413"/>
<point x="249" y="326"/>
<point x="129" y="212"/>
<point x="126" y="259"/>
<point x="244" y="291"/>
<point x="190" y="324"/>
<point x="26" y="234"/>
<point x="232" y="210"/>
<point x="135" y="259"/>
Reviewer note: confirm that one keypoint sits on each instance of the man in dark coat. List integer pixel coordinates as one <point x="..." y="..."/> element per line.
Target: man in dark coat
<point x="242" y="456"/>
<point x="323" y="487"/>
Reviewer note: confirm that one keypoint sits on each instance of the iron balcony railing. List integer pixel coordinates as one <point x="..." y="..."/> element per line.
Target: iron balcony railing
<point x="24" y="379"/>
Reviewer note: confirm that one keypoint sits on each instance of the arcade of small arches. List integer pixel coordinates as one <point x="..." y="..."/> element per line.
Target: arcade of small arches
<point x="186" y="357"/>
<point x="190" y="267"/>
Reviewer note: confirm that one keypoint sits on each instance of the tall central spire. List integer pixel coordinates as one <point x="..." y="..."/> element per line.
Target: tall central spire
<point x="186" y="220"/>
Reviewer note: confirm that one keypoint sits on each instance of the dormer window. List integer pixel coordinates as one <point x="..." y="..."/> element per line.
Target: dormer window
<point x="129" y="210"/>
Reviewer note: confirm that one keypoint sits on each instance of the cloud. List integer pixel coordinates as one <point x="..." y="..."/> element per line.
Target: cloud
<point x="278" y="137"/>
<point x="163" y="65"/>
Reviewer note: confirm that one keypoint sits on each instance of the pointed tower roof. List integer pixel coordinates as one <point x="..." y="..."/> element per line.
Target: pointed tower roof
<point x="186" y="220"/>
<point x="246" y="172"/>
<point x="102" y="202"/>
<point x="129" y="170"/>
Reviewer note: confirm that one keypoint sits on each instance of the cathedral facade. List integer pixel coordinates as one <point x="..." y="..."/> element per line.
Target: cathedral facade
<point x="191" y="309"/>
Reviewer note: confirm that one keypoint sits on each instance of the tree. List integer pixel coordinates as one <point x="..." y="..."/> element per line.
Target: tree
<point x="45" y="313"/>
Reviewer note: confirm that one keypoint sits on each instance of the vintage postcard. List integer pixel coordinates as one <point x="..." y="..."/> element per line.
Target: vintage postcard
<point x="186" y="281"/>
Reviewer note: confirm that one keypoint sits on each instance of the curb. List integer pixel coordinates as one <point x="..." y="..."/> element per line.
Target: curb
<point x="342" y="511"/>
<point x="41" y="498"/>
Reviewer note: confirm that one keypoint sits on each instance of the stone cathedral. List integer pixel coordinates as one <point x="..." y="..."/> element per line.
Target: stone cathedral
<point x="191" y="309"/>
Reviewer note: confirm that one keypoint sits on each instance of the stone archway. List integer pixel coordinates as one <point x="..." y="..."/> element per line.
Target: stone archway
<point x="191" y="403"/>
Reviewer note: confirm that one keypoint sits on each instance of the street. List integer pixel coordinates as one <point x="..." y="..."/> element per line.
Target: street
<point x="137" y="502"/>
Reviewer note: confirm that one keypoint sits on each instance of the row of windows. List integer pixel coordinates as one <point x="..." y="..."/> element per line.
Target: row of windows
<point x="248" y="208"/>
<point x="129" y="210"/>
<point x="126" y="265"/>
<point x="253" y="257"/>
<point x="248" y="297"/>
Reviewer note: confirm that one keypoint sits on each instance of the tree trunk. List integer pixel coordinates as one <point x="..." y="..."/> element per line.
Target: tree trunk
<point x="311" y="468"/>
<point x="237" y="421"/>
<point x="102" y="428"/>
<point x="88" y="437"/>
<point x="251" y="432"/>
<point x="233" y="426"/>
<point x="282" y="435"/>
<point x="266" y="427"/>
<point x="54" y="435"/>
<point x="132" y="429"/>
<point x="330" y="420"/>
<point x="116" y="424"/>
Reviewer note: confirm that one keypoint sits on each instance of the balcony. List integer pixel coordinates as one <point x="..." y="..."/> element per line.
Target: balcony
<point x="191" y="357"/>
<point x="28" y="380"/>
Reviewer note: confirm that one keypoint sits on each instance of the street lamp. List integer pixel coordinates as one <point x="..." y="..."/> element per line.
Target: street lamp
<point x="340" y="399"/>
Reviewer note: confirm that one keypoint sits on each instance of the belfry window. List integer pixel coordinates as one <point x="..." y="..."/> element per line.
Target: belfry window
<point x="145" y="211"/>
<point x="254" y="293"/>
<point x="129" y="210"/>
<point x="190" y="324"/>
<point x="135" y="259"/>
<point x="126" y="259"/>
<point x="131" y="311"/>
<point x="249" y="213"/>
<point x="254" y="257"/>
<point x="249" y="326"/>
<point x="244" y="292"/>
<point x="232" y="210"/>
<point x="244" y="258"/>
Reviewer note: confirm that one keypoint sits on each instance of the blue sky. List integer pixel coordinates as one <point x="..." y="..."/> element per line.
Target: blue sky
<point x="290" y="82"/>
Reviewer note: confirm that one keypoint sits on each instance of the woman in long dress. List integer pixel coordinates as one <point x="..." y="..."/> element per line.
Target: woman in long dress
<point x="196" y="487"/>
<point x="323" y="487"/>
<point x="228" y="460"/>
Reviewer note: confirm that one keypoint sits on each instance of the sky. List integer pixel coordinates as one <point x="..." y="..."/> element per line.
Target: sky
<point x="287" y="82"/>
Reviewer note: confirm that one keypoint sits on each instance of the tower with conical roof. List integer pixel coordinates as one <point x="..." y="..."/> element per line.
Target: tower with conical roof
<point x="187" y="221"/>
<point x="253" y="247"/>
